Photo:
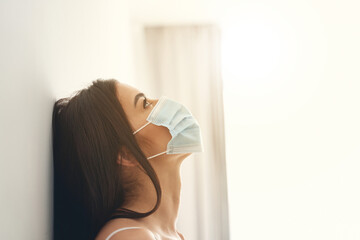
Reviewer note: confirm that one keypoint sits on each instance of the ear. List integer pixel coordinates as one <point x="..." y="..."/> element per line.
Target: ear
<point x="125" y="160"/>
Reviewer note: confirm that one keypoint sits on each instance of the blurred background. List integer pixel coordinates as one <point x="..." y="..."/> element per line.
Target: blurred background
<point x="274" y="84"/>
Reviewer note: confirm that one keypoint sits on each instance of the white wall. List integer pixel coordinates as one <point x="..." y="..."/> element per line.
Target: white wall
<point x="48" y="49"/>
<point x="292" y="84"/>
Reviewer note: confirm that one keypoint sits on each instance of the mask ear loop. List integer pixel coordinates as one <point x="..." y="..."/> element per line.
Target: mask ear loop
<point x="156" y="155"/>
<point x="141" y="127"/>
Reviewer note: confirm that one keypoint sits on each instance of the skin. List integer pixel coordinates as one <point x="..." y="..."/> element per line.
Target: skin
<point x="152" y="140"/>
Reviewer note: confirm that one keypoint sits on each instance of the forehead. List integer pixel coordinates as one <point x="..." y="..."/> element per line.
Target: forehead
<point x="126" y="92"/>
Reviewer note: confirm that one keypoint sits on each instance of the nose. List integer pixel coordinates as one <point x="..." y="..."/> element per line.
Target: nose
<point x="154" y="101"/>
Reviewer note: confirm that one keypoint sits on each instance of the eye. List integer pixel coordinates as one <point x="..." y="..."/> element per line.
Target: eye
<point x="146" y="103"/>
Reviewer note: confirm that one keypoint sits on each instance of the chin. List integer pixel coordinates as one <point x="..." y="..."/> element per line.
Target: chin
<point x="185" y="155"/>
<point x="181" y="156"/>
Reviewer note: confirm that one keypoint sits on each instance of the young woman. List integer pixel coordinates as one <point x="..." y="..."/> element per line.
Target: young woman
<point x="117" y="157"/>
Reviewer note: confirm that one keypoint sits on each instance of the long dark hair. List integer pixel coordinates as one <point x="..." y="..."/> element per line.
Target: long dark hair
<point x="90" y="130"/>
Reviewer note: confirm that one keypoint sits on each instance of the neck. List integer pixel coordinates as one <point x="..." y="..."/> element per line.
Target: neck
<point x="170" y="183"/>
<point x="165" y="217"/>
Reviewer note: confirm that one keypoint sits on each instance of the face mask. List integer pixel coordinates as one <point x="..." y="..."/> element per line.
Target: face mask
<point x="183" y="127"/>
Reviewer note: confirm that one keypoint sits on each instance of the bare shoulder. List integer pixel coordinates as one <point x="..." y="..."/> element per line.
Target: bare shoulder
<point x="133" y="230"/>
<point x="135" y="233"/>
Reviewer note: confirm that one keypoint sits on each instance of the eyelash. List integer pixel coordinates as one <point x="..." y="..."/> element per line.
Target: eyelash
<point x="145" y="101"/>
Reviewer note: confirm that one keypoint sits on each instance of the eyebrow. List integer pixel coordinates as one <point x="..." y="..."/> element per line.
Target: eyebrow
<point x="137" y="98"/>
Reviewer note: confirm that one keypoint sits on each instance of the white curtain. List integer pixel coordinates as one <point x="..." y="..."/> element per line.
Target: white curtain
<point x="183" y="63"/>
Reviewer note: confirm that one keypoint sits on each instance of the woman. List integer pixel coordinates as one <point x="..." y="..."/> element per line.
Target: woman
<point x="117" y="158"/>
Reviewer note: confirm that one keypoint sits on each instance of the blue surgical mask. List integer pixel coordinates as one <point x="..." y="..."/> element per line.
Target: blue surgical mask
<point x="184" y="129"/>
